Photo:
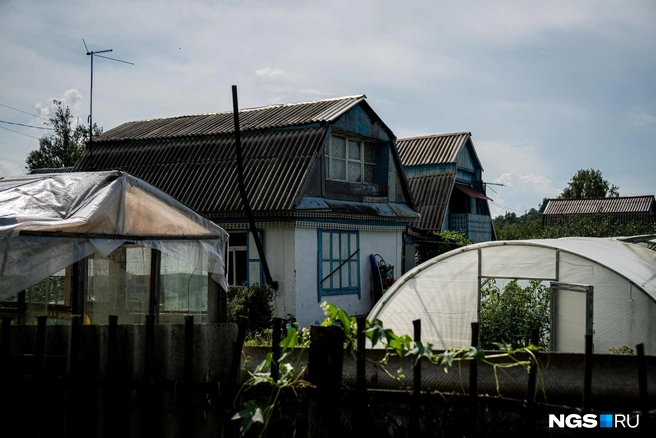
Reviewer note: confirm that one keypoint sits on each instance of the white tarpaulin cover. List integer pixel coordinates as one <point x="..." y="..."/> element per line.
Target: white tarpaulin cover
<point x="90" y="210"/>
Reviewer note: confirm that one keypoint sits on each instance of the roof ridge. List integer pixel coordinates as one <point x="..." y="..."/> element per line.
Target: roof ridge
<point x="259" y="108"/>
<point x="449" y="134"/>
<point x="600" y="197"/>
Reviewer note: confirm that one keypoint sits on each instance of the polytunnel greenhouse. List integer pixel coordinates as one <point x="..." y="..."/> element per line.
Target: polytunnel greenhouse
<point x="600" y="286"/>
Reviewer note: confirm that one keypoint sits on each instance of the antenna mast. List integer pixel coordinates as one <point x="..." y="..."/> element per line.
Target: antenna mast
<point x="90" y="118"/>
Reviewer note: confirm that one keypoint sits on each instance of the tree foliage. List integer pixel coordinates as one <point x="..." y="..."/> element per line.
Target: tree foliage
<point x="589" y="183"/>
<point x="443" y="242"/>
<point x="255" y="302"/>
<point x="65" y="145"/>
<point x="509" y="316"/>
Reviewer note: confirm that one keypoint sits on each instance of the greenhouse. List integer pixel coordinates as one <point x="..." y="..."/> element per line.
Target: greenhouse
<point x="605" y="287"/>
<point x="103" y="243"/>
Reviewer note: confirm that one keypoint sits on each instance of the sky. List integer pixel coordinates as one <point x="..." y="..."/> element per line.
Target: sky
<point x="545" y="88"/>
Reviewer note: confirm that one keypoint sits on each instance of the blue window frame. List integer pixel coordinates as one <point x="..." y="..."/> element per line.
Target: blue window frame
<point x="339" y="263"/>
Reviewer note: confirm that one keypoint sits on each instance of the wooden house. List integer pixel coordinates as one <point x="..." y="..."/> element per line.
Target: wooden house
<point x="323" y="179"/>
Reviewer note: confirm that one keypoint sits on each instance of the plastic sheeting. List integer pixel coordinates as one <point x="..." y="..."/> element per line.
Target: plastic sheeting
<point x="98" y="207"/>
<point x="444" y="292"/>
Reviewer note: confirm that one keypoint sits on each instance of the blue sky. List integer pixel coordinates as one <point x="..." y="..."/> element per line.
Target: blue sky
<point x="545" y="88"/>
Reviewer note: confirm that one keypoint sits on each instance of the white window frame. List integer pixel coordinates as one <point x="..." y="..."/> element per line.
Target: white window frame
<point x="347" y="160"/>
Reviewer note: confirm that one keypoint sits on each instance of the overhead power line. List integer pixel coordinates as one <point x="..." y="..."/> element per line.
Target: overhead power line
<point x="24" y="112"/>
<point x="21" y="133"/>
<point x="28" y="126"/>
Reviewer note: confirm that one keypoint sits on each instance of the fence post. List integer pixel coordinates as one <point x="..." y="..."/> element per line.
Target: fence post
<point x="39" y="350"/>
<point x="72" y="423"/>
<point x="415" y="412"/>
<point x="235" y="368"/>
<point x="275" y="349"/>
<point x="361" y="382"/>
<point x="5" y="402"/>
<point x="325" y="371"/>
<point x="4" y="344"/>
<point x="473" y="384"/>
<point x="110" y="418"/>
<point x="587" y="376"/>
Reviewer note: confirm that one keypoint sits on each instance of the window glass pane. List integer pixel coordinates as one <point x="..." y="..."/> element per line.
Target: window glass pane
<point x="338" y="170"/>
<point x="354" y="274"/>
<point x="354" y="172"/>
<point x="345" y="248"/>
<point x="325" y="246"/>
<point x="325" y="266"/>
<point x="338" y="147"/>
<point x="345" y="275"/>
<point x="369" y="173"/>
<point x="369" y="153"/>
<point x="335" y="248"/>
<point x="354" y="150"/>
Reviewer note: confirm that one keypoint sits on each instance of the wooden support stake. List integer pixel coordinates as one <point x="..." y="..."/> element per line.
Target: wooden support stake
<point x="189" y="349"/>
<point x="155" y="269"/>
<point x="110" y="414"/>
<point x="275" y="349"/>
<point x="149" y="357"/>
<point x="587" y="377"/>
<point x="642" y="381"/>
<point x="22" y="308"/>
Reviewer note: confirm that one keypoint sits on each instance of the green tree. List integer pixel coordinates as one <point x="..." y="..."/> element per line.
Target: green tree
<point x="443" y="242"/>
<point x="589" y="183"/>
<point x="64" y="147"/>
<point x="509" y="316"/>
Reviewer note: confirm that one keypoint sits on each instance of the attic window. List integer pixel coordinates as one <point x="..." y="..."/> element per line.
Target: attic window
<point x="350" y="159"/>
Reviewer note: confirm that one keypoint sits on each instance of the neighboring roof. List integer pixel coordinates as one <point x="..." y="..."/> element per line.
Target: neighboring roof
<point x="202" y="174"/>
<point x="623" y="204"/>
<point x="73" y="215"/>
<point x="46" y="170"/>
<point x="431" y="149"/>
<point x="431" y="195"/>
<point x="274" y="116"/>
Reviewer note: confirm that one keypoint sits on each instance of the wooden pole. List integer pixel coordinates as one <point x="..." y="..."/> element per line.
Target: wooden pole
<point x="642" y="381"/>
<point x="415" y="412"/>
<point x="325" y="371"/>
<point x="587" y="376"/>
<point x="275" y="349"/>
<point x="473" y="384"/>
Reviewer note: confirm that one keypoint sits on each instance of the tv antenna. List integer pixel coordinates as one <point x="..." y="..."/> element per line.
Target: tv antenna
<point x="93" y="53"/>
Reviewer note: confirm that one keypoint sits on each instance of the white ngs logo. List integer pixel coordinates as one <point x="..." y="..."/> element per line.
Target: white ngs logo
<point x="590" y="421"/>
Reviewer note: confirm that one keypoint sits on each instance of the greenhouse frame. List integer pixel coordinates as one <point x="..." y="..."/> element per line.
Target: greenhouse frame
<point x="605" y="287"/>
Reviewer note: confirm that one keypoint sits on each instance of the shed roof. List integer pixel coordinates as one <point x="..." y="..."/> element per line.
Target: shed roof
<point x="623" y="204"/>
<point x="274" y="116"/>
<point x="431" y="149"/>
<point x="431" y="195"/>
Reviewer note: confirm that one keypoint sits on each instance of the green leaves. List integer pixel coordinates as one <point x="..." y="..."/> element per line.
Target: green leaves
<point x="250" y="415"/>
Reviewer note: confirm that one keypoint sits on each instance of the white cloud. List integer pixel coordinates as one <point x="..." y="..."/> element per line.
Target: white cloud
<point x="8" y="169"/>
<point x="642" y="118"/>
<point x="271" y="73"/>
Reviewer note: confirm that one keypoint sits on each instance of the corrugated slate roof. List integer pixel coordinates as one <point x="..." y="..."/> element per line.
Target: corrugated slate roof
<point x="47" y="170"/>
<point x="431" y="149"/>
<point x="623" y="204"/>
<point x="201" y="171"/>
<point x="275" y="116"/>
<point x="431" y="195"/>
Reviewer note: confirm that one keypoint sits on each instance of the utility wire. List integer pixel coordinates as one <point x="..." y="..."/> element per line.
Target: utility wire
<point x="508" y="208"/>
<point x="21" y="133"/>
<point x="24" y="112"/>
<point x="28" y="126"/>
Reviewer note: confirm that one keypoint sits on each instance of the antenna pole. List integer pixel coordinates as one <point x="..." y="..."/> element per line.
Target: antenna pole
<point x="90" y="118"/>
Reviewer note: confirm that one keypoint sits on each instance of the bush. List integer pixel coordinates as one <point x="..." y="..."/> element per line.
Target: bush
<point x="510" y="316"/>
<point x="255" y="302"/>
